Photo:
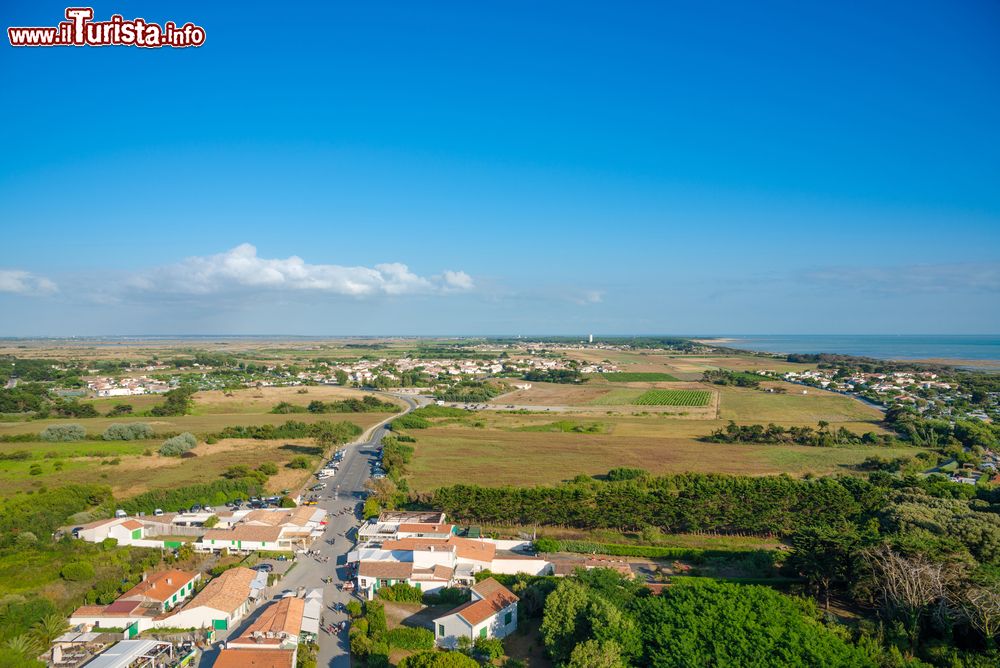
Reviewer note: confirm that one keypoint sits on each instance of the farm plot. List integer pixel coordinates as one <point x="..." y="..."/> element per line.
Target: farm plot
<point x="636" y="377"/>
<point x="673" y="398"/>
<point x="618" y="397"/>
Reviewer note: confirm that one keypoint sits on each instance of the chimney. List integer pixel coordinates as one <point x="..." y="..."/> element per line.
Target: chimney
<point x="144" y="576"/>
<point x="170" y="581"/>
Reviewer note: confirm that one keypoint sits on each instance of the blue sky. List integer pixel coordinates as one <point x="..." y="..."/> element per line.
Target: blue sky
<point x="695" y="167"/>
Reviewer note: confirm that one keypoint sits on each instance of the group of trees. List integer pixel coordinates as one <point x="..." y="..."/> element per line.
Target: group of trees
<point x="216" y="493"/>
<point x="469" y="391"/>
<point x="177" y="401"/>
<point x="325" y="432"/>
<point x="371" y="639"/>
<point x="822" y="436"/>
<point x="941" y="433"/>
<point x="367" y="404"/>
<point x="600" y="619"/>
<point x="737" y="378"/>
<point x="554" y="376"/>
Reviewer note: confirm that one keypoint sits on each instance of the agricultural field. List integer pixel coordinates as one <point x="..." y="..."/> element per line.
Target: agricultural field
<point x="696" y="400"/>
<point x="634" y="377"/>
<point x="673" y="398"/>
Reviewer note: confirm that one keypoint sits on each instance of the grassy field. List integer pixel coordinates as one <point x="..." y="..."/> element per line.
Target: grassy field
<point x="621" y="396"/>
<point x="747" y="405"/>
<point x="494" y="448"/>
<point x="132" y="467"/>
<point x="449" y="455"/>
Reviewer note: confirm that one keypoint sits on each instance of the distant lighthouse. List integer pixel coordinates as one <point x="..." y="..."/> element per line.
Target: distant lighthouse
<point x="590" y="339"/>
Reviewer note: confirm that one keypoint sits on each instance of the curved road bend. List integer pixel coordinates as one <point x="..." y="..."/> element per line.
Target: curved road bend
<point x="342" y="500"/>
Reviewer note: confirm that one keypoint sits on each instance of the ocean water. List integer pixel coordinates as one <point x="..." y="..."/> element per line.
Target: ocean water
<point x="898" y="347"/>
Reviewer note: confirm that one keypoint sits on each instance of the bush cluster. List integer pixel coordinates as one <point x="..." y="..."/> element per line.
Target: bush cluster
<point x="178" y="444"/>
<point x="56" y="433"/>
<point x="131" y="431"/>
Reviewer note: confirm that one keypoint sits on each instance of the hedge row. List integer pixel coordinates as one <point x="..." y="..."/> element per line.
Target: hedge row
<point x="647" y="551"/>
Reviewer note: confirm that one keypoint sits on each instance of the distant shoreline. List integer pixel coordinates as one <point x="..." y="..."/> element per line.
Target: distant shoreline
<point x="978" y="364"/>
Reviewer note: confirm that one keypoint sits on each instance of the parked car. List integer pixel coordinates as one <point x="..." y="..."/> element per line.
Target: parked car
<point x="267" y="568"/>
<point x="120" y="513"/>
<point x="158" y="512"/>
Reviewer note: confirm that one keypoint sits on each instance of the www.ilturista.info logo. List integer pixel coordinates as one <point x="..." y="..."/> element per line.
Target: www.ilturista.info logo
<point x="81" y="30"/>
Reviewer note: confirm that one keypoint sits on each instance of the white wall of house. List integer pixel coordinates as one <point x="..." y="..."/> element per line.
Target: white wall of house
<point x="124" y="536"/>
<point x="514" y="566"/>
<point x="201" y="617"/>
<point x="447" y="629"/>
<point x="428" y="559"/>
<point x="244" y="545"/>
<point x="112" y="622"/>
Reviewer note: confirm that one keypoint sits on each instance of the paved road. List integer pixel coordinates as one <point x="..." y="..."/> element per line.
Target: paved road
<point x="342" y="499"/>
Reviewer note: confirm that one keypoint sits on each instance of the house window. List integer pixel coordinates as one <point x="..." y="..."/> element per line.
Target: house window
<point x="441" y="630"/>
<point x="507" y="618"/>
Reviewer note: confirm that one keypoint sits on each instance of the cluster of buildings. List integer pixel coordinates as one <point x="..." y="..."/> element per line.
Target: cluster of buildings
<point x="924" y="390"/>
<point x="367" y="372"/>
<point x="424" y="551"/>
<point x="126" y="387"/>
<point x="244" y="530"/>
<point x="901" y="385"/>
<point x="173" y="600"/>
<point x="177" y="600"/>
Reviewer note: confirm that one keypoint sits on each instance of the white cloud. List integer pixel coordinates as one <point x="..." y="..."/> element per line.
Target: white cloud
<point x="21" y="282"/>
<point x="241" y="268"/>
<point x="457" y="280"/>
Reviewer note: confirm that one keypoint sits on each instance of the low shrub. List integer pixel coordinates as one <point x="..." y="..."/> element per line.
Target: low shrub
<point x="408" y="637"/>
<point x="401" y="592"/>
<point x="77" y="571"/>
<point x="454" y="596"/>
<point x="178" y="444"/>
<point x="130" y="431"/>
<point x="56" y="433"/>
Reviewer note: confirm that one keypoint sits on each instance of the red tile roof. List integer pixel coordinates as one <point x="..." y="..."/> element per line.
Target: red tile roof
<point x="254" y="658"/>
<point x="496" y="597"/>
<point x="160" y="586"/>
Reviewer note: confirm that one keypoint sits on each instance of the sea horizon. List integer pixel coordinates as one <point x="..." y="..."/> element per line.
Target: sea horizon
<point x="955" y="347"/>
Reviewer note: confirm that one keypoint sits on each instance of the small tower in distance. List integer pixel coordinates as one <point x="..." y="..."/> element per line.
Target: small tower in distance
<point x="590" y="339"/>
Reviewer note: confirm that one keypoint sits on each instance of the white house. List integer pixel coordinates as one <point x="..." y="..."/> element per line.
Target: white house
<point x="222" y="603"/>
<point x="492" y="613"/>
<point x="143" y="604"/>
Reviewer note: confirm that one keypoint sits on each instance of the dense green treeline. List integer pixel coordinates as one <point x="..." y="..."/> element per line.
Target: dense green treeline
<point x="367" y="404"/>
<point x="331" y="433"/>
<point x="678" y="503"/>
<point x="822" y="436"/>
